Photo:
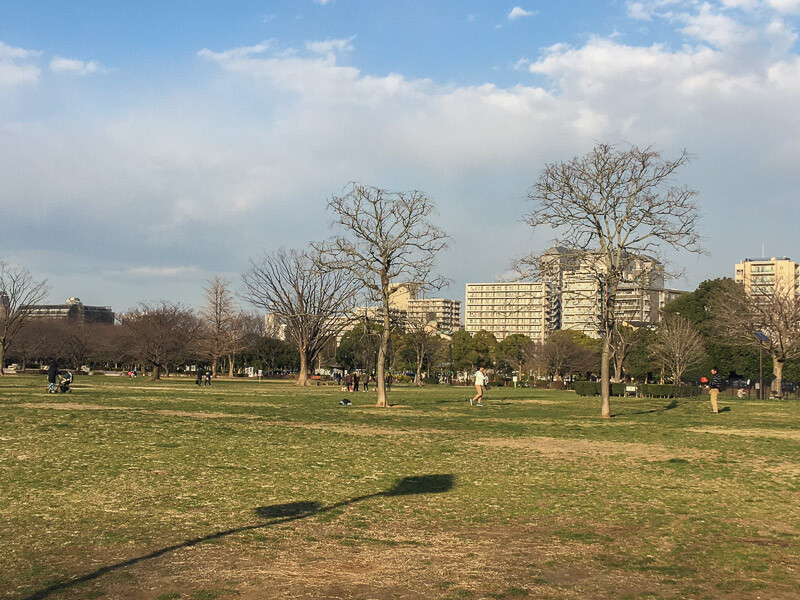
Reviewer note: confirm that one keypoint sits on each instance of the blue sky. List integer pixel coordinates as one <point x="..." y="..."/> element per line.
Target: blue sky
<point x="145" y="147"/>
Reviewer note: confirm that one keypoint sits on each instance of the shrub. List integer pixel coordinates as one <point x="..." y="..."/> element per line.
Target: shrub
<point x="586" y="388"/>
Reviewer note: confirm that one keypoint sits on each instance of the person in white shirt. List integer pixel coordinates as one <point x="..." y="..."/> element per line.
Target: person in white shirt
<point x="480" y="383"/>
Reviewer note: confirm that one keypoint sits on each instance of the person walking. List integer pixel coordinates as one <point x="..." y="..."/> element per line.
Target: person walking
<point x="366" y="382"/>
<point x="355" y="381"/>
<point x="199" y="380"/>
<point x="52" y="376"/>
<point x="480" y="384"/>
<point x="713" y="389"/>
<point x="207" y="375"/>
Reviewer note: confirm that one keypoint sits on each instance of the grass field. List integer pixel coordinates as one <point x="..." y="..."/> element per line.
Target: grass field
<point x="130" y="489"/>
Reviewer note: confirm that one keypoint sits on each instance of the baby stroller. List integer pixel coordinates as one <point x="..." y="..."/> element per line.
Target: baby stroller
<point x="66" y="379"/>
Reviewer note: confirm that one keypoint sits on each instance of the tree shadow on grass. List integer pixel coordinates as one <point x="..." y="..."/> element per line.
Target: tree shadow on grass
<point x="673" y="404"/>
<point x="275" y="514"/>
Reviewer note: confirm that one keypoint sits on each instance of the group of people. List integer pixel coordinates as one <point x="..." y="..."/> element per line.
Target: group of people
<point x="203" y="377"/>
<point x="351" y="381"/>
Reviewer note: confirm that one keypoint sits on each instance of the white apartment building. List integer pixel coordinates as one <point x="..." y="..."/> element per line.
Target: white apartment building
<point x="504" y="309"/>
<point x="766" y="276"/>
<point x="640" y="296"/>
<point x="444" y="313"/>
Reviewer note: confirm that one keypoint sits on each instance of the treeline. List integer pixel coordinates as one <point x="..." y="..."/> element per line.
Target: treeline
<point x="160" y="338"/>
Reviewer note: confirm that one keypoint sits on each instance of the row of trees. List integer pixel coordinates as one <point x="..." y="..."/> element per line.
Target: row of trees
<point x="159" y="336"/>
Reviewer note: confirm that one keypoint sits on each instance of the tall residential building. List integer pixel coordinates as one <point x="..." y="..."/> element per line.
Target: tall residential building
<point x="444" y="313"/>
<point x="504" y="309"/>
<point x="766" y="276"/>
<point x="577" y="281"/>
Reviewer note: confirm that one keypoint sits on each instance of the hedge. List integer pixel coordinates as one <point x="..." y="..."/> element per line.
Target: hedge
<point x="592" y="388"/>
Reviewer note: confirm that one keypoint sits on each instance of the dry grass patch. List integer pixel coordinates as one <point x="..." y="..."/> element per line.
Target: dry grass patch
<point x="766" y="433"/>
<point x="565" y="448"/>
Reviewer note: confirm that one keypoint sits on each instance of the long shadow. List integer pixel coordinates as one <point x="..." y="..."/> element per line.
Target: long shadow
<point x="670" y="406"/>
<point x="277" y="513"/>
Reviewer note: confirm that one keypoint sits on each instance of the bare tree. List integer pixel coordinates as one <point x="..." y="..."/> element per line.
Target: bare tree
<point x="18" y="290"/>
<point x="623" y="339"/>
<point x="314" y="305"/>
<point x="614" y="207"/>
<point x="677" y="346"/>
<point x="160" y="334"/>
<point x="385" y="238"/>
<point x="562" y="356"/>
<point x="420" y="337"/>
<point x="219" y="315"/>
<point x="737" y="314"/>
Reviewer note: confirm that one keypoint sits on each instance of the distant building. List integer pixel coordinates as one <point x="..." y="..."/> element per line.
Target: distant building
<point x="274" y="327"/>
<point x="505" y="309"/>
<point x="72" y="310"/>
<point x="767" y="276"/>
<point x="576" y="278"/>
<point x="444" y="313"/>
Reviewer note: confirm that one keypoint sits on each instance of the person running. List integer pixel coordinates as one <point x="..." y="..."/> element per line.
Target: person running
<point x="480" y="384"/>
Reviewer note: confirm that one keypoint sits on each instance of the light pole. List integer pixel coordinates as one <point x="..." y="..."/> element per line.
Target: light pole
<point x="761" y="339"/>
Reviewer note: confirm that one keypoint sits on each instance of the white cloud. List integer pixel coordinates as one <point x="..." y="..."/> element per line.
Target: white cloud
<point x="789" y="7"/>
<point x="518" y="12"/>
<point x="159" y="272"/>
<point x="638" y="11"/>
<point x="16" y="68"/>
<point x="323" y="2"/>
<point x="60" y="64"/>
<point x="235" y="53"/>
<point x="720" y="30"/>
<point x="338" y="46"/>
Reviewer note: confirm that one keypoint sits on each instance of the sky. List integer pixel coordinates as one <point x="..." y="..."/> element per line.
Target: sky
<point x="147" y="147"/>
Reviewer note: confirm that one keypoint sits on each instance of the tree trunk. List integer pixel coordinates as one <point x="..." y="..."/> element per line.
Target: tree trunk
<point x="418" y="374"/>
<point x="2" y="358"/>
<point x="156" y="373"/>
<point x="381" y="366"/>
<point x="777" y="384"/>
<point x="617" y="371"/>
<point x="214" y="360"/>
<point x="605" y="379"/>
<point x="302" y="379"/>
<point x="230" y="366"/>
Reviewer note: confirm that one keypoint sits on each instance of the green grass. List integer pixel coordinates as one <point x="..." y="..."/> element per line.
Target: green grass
<point x="128" y="488"/>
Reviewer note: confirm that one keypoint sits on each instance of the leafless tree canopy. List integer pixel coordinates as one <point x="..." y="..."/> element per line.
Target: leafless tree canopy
<point x="623" y="339"/>
<point x="384" y="238"/>
<point x="18" y="289"/>
<point x="313" y="304"/>
<point x="617" y="201"/>
<point x="220" y="317"/>
<point x="677" y="346"/>
<point x="160" y="334"/>
<point x="561" y="356"/>
<point x="611" y="207"/>
<point x="737" y="315"/>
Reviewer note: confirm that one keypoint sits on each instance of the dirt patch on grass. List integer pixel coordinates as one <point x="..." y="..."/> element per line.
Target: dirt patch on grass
<point x="362" y="430"/>
<point x="767" y="433"/>
<point x="200" y="415"/>
<point x="566" y="448"/>
<point x="70" y="406"/>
